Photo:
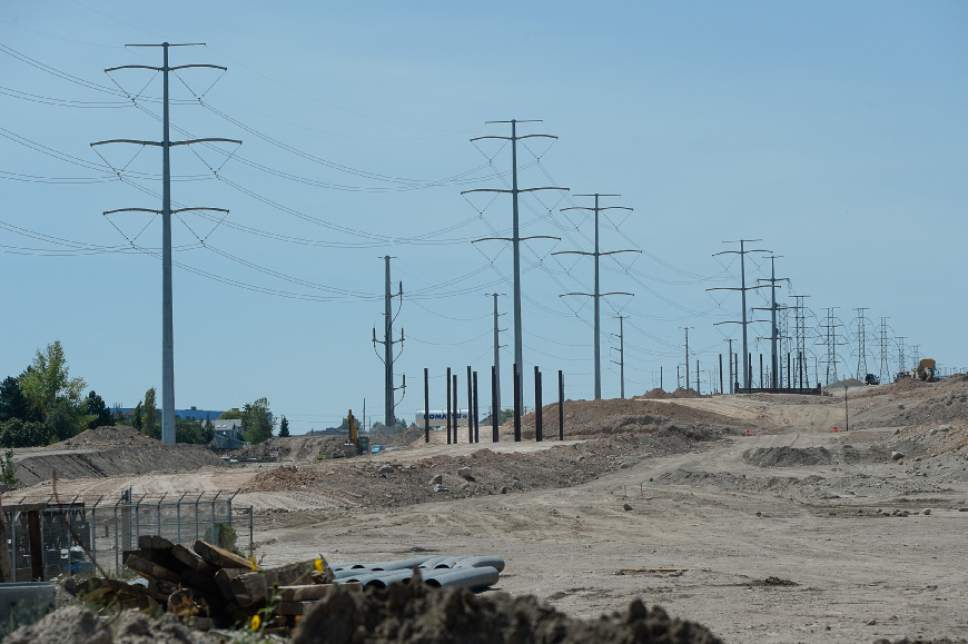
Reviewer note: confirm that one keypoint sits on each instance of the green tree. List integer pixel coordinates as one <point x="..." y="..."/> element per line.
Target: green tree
<point x="24" y="433"/>
<point x="137" y="416"/>
<point x="257" y="421"/>
<point x="190" y="430"/>
<point x="151" y="415"/>
<point x="48" y="380"/>
<point x="13" y="403"/>
<point x="98" y="410"/>
<point x="284" y="427"/>
<point x="8" y="471"/>
<point x="232" y="414"/>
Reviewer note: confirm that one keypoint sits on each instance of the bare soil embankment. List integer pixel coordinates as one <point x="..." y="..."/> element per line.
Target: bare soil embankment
<point x="108" y="451"/>
<point x="362" y="483"/>
<point x="586" y="418"/>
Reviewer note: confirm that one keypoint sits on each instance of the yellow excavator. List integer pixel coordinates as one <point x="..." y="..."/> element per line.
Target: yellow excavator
<point x="362" y="443"/>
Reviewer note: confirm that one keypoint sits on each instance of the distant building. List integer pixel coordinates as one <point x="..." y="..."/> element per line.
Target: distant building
<point x="438" y="418"/>
<point x="228" y="434"/>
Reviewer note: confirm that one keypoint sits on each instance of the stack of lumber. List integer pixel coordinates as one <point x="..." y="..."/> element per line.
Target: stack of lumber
<point x="214" y="587"/>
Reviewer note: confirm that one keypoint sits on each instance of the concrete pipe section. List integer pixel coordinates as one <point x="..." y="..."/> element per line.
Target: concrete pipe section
<point x="474" y="572"/>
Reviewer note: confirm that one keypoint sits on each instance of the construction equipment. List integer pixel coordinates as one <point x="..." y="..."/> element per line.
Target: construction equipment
<point x="872" y="379"/>
<point x="361" y="444"/>
<point x="927" y="367"/>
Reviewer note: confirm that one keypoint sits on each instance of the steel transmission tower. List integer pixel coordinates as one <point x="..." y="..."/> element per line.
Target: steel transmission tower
<point x="901" y="362"/>
<point x="167" y="323"/>
<point x="800" y="322"/>
<point x="497" y="356"/>
<point x="831" y="342"/>
<point x="621" y="354"/>
<point x="515" y="237"/>
<point x="744" y="322"/>
<point x="596" y="295"/>
<point x="885" y="369"/>
<point x="861" y="342"/>
<point x="389" y="389"/>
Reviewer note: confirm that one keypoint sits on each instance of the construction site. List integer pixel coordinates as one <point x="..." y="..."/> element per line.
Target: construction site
<point x="483" y="323"/>
<point x="767" y="518"/>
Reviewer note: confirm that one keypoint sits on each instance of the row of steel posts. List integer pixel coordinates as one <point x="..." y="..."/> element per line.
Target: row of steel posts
<point x="473" y="410"/>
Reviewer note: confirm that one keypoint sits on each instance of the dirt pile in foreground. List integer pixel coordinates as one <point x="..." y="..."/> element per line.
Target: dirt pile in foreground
<point x="412" y="613"/>
<point x="108" y="451"/>
<point x="360" y="482"/>
<point x="787" y="456"/>
<point x="76" y="624"/>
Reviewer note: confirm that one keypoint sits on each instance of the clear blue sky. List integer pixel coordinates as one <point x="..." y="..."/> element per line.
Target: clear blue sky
<point x="834" y="131"/>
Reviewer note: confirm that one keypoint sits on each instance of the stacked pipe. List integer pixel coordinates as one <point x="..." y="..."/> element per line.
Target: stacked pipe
<point x="474" y="572"/>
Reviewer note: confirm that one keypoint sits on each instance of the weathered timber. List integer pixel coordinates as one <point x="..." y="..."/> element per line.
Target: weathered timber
<point x="220" y="557"/>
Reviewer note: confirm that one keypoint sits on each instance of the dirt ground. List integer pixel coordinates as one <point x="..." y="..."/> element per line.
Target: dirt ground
<point x="757" y="516"/>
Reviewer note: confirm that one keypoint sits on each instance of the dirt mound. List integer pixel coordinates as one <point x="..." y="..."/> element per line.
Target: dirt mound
<point x="108" y="451"/>
<point x="656" y="393"/>
<point x="907" y="384"/>
<point x="683" y="392"/>
<point x="597" y="417"/>
<point x="394" y="436"/>
<point x="298" y="449"/>
<point x="360" y="482"/>
<point x="76" y="624"/>
<point x="412" y="613"/>
<point x="787" y="456"/>
<point x="116" y="436"/>
<point x="847" y="382"/>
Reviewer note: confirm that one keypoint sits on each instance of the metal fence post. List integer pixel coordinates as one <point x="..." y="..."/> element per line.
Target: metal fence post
<point x="214" y="499"/>
<point x="93" y="530"/>
<point x="158" y="510"/>
<point x="178" y="517"/>
<point x="231" y="498"/>
<point x="117" y="534"/>
<point x="13" y="545"/>
<point x="197" y="501"/>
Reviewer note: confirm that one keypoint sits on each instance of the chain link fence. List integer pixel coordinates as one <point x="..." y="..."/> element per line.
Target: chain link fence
<point x="48" y="537"/>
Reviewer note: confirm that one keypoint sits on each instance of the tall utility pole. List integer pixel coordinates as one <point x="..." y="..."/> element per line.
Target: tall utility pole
<point x="742" y="252"/>
<point x="885" y="370"/>
<point x="861" y="342"/>
<point x="686" y="330"/>
<point x="732" y="381"/>
<point x="597" y="294"/>
<point x="515" y="237"/>
<point x="621" y="353"/>
<point x="916" y="349"/>
<point x="389" y="390"/>
<point x="774" y="329"/>
<point x="496" y="400"/>
<point x="167" y="317"/>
